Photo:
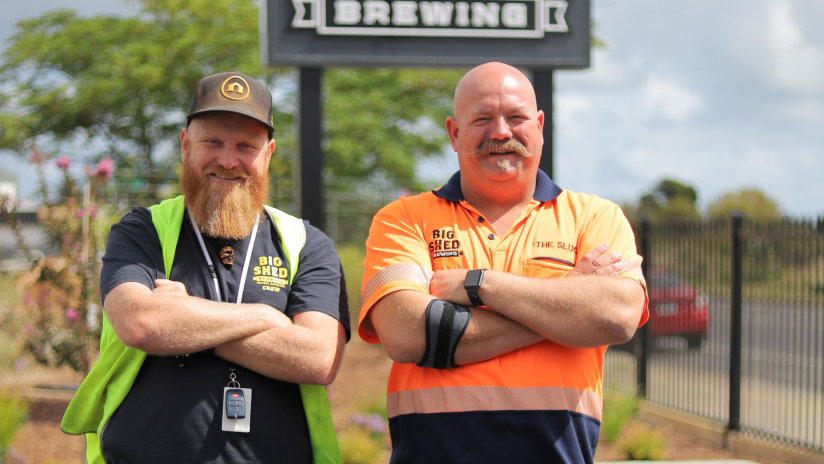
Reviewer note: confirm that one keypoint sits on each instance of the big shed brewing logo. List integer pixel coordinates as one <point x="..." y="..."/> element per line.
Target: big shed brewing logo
<point x="501" y="19"/>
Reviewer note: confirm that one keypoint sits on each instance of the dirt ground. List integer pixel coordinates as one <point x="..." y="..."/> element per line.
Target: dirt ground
<point x="361" y="383"/>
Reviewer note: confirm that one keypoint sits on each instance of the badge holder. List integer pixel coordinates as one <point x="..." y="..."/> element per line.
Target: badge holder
<point x="237" y="406"/>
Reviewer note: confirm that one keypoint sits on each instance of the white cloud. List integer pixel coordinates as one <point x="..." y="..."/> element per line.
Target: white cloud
<point x="607" y="71"/>
<point x="775" y="42"/>
<point x="572" y="112"/>
<point x="665" y="98"/>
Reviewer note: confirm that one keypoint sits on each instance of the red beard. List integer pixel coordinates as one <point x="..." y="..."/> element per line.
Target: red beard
<point x="222" y="210"/>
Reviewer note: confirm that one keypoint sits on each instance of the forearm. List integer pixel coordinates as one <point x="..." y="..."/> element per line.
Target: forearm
<point x="399" y="319"/>
<point x="304" y="352"/>
<point x="172" y="324"/>
<point x="579" y="312"/>
<point x="490" y="335"/>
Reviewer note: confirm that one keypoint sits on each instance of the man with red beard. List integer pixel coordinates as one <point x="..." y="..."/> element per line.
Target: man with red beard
<point x="225" y="317"/>
<point x="497" y="294"/>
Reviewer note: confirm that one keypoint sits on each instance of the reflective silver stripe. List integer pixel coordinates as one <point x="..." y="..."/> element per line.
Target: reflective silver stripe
<point x="401" y="271"/>
<point x="492" y="398"/>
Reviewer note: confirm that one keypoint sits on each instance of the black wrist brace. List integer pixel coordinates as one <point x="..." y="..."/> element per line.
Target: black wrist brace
<point x="445" y="324"/>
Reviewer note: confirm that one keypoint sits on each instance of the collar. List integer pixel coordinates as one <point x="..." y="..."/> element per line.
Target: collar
<point x="545" y="189"/>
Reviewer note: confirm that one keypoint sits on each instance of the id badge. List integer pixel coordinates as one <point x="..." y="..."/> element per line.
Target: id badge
<point x="237" y="399"/>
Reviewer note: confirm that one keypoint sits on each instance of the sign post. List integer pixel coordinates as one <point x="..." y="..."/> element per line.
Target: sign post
<point x="540" y="35"/>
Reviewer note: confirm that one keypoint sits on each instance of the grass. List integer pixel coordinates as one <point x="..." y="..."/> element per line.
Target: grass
<point x="13" y="412"/>
<point x="618" y="408"/>
<point x="351" y="258"/>
<point x="359" y="446"/>
<point x="642" y="443"/>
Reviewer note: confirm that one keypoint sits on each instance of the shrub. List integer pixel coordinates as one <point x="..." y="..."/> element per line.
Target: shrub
<point x="61" y="292"/>
<point x="641" y="443"/>
<point x="358" y="446"/>
<point x="618" y="408"/>
<point x="13" y="410"/>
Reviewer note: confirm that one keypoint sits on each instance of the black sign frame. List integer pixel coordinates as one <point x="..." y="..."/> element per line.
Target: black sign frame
<point x="291" y="37"/>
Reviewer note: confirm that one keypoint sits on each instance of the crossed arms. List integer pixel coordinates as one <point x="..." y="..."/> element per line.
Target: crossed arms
<point x="167" y="321"/>
<point x="592" y="307"/>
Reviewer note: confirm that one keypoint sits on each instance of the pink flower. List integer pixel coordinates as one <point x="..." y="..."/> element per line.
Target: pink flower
<point x="104" y="169"/>
<point x="21" y="364"/>
<point x="72" y="314"/>
<point x="63" y="162"/>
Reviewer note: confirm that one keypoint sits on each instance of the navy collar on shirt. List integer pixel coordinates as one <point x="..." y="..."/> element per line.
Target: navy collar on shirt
<point x="545" y="189"/>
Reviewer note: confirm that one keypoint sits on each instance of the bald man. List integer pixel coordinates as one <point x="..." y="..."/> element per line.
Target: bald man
<point x="496" y="295"/>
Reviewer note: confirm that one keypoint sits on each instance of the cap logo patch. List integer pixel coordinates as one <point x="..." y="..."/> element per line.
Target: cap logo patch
<point x="235" y="88"/>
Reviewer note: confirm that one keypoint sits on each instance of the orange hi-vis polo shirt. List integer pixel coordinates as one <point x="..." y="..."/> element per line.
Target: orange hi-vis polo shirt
<point x="541" y="403"/>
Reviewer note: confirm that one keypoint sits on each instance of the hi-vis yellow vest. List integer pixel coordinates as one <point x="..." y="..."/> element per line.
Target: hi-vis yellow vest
<point x="109" y="381"/>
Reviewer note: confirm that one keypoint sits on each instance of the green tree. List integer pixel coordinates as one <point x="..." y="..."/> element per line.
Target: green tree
<point x="669" y="200"/>
<point x="117" y="86"/>
<point x="754" y="203"/>
<point x="120" y="87"/>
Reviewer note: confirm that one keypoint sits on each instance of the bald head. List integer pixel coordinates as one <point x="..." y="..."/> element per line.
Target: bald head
<point x="497" y="132"/>
<point x="492" y="79"/>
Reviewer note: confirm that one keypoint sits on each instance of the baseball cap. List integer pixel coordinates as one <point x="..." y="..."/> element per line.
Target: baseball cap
<point x="233" y="92"/>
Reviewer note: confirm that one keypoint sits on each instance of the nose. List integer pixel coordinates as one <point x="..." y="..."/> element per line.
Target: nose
<point x="499" y="129"/>
<point x="228" y="158"/>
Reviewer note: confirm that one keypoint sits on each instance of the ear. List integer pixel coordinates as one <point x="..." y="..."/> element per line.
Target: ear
<point x="184" y="143"/>
<point x="541" y="124"/>
<point x="452" y="129"/>
<point x="270" y="148"/>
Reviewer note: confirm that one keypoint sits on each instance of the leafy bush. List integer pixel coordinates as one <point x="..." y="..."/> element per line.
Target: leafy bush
<point x="13" y="411"/>
<point x="61" y="292"/>
<point x="641" y="443"/>
<point x="618" y="408"/>
<point x="358" y="446"/>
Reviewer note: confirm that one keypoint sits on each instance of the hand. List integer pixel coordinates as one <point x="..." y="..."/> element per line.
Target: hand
<point x="449" y="285"/>
<point x="169" y="287"/>
<point x="598" y="262"/>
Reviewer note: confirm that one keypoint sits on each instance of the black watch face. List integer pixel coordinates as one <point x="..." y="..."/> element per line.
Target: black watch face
<point x="473" y="278"/>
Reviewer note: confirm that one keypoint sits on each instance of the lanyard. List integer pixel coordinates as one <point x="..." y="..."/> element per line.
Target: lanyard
<point x="212" y="267"/>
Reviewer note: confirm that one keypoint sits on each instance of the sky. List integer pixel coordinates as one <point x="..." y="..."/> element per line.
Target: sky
<point x="717" y="94"/>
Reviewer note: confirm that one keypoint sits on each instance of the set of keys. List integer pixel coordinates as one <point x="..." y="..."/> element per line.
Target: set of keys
<point x="237" y="404"/>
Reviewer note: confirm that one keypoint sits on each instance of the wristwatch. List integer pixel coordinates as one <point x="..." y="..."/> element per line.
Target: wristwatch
<point x="472" y="284"/>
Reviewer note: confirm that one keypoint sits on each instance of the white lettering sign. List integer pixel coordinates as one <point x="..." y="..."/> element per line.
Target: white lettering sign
<point x="436" y="13"/>
<point x="347" y="12"/>
<point x="496" y="18"/>
<point x="375" y="11"/>
<point x="404" y="13"/>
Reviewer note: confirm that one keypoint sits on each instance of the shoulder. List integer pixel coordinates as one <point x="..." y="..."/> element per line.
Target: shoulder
<point x="412" y="211"/>
<point x="584" y="206"/>
<point x="316" y="238"/>
<point x="138" y="220"/>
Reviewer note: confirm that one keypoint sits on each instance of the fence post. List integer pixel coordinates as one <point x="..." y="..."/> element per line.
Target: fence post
<point x="736" y="335"/>
<point x="642" y="345"/>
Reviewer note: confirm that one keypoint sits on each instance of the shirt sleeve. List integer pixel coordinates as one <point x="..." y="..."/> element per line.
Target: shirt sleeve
<point x="133" y="253"/>
<point x="607" y="224"/>
<point x="319" y="284"/>
<point x="397" y="258"/>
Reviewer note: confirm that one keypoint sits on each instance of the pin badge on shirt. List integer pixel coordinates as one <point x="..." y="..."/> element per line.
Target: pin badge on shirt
<point x="227" y="255"/>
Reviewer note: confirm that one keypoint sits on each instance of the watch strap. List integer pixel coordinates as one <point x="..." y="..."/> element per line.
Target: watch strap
<point x="476" y="277"/>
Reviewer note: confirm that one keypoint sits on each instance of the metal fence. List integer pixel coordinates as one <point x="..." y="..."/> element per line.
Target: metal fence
<point x="736" y="329"/>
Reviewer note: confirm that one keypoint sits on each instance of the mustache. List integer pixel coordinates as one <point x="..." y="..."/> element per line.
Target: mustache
<point x="510" y="145"/>
<point x="223" y="172"/>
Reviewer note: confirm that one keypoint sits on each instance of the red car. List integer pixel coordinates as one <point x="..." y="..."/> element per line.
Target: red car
<point x="676" y="308"/>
